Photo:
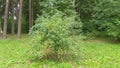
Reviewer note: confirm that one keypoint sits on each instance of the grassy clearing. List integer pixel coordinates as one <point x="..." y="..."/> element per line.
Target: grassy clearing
<point x="96" y="53"/>
<point x="13" y="52"/>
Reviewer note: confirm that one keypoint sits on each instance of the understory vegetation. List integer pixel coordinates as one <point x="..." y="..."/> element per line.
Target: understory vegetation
<point x="49" y="36"/>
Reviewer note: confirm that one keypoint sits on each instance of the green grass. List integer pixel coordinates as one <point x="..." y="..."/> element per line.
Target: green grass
<point x="97" y="53"/>
<point x="101" y="53"/>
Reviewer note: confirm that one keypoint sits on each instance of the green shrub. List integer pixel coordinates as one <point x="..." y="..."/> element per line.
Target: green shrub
<point x="49" y="36"/>
<point x="76" y="27"/>
<point x="114" y="29"/>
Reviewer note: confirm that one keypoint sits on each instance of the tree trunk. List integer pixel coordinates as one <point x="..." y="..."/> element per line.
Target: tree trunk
<point x="12" y="23"/>
<point x="5" y="20"/>
<point x="20" y="20"/>
<point x="0" y="29"/>
<point x="30" y="14"/>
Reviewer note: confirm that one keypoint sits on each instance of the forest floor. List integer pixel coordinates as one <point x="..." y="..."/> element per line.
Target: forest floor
<point x="93" y="53"/>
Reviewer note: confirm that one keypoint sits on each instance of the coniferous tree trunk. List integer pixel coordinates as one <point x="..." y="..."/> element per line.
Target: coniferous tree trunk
<point x="12" y="24"/>
<point x="30" y="14"/>
<point x="20" y="20"/>
<point x="6" y="20"/>
<point x="0" y="29"/>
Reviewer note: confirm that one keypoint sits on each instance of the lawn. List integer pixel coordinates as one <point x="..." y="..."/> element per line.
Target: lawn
<point x="94" y="53"/>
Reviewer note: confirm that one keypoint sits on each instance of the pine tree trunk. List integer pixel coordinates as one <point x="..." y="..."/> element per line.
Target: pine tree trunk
<point x="5" y="20"/>
<point x="0" y="29"/>
<point x="20" y="20"/>
<point x="12" y="24"/>
<point x="30" y="14"/>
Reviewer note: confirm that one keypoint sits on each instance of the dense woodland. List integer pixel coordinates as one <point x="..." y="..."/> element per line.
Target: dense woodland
<point x="95" y="16"/>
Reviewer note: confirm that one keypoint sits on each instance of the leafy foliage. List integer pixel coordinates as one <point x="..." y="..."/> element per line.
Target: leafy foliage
<point x="50" y="36"/>
<point x="53" y="27"/>
<point x="50" y="7"/>
<point x="107" y="16"/>
<point x="100" y="16"/>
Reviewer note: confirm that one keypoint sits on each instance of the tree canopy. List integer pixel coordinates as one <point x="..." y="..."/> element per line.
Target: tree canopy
<point x="95" y="16"/>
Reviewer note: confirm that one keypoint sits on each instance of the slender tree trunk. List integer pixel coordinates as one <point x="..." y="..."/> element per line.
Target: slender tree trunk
<point x="30" y="14"/>
<point x="5" y="20"/>
<point x="12" y="24"/>
<point x="0" y="29"/>
<point x="20" y="20"/>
